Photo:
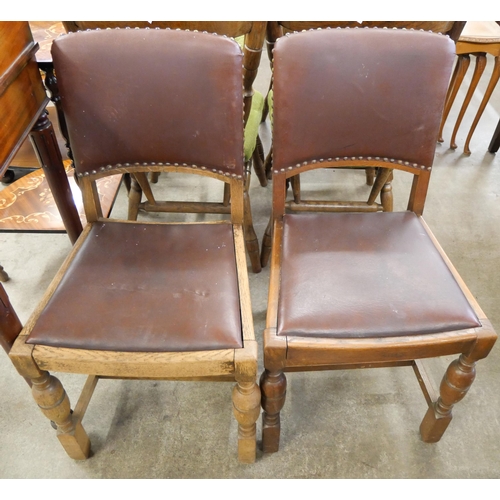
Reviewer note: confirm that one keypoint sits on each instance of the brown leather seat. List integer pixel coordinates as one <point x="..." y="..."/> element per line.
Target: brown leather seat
<point x="358" y="290"/>
<point x="366" y="275"/>
<point x="148" y="300"/>
<point x="178" y="283"/>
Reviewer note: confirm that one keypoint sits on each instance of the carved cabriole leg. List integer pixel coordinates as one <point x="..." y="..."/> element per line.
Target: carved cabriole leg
<point x="478" y="71"/>
<point x="246" y="409"/>
<point x="495" y="76"/>
<point x="134" y="199"/>
<point x="52" y="399"/>
<point x="454" y="386"/>
<point x="273" y="389"/>
<point x="450" y="97"/>
<point x="456" y="80"/>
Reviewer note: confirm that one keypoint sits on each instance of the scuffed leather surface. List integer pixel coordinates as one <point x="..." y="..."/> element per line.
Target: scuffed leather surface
<point x="376" y="93"/>
<point x="144" y="287"/>
<point x="148" y="102"/>
<point x="348" y="275"/>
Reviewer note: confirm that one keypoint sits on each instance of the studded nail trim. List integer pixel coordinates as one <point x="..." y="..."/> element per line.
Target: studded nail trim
<point x="355" y="158"/>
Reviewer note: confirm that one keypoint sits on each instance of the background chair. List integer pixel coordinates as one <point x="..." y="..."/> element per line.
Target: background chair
<point x="359" y="290"/>
<point x="383" y="186"/>
<point x="251" y="35"/>
<point x="478" y="38"/>
<point x="148" y="301"/>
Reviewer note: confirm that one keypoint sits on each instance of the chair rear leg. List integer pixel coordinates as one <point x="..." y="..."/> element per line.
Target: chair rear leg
<point x="273" y="389"/>
<point x="52" y="399"/>
<point x="246" y="409"/>
<point x="450" y="97"/>
<point x="454" y="386"/>
<point x="495" y="76"/>
<point x="478" y="71"/>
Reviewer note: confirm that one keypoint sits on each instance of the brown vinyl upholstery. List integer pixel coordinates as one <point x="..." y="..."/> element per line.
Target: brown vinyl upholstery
<point x="366" y="275"/>
<point x="172" y="129"/>
<point x="168" y="298"/>
<point x="362" y="290"/>
<point x="366" y="86"/>
<point x="164" y="301"/>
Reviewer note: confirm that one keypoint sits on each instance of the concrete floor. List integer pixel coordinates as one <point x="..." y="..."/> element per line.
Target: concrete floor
<point x="343" y="424"/>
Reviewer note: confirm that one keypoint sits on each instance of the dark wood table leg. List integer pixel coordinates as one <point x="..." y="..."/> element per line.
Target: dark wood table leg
<point x="495" y="140"/>
<point x="44" y="141"/>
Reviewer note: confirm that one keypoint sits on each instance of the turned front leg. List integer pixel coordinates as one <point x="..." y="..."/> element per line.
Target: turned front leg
<point x="246" y="409"/>
<point x="52" y="399"/>
<point x="454" y="386"/>
<point x="273" y="388"/>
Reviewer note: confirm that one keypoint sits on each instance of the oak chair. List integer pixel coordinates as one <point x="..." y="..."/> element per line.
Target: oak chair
<point x="383" y="186"/>
<point x="363" y="290"/>
<point x="148" y="300"/>
<point x="478" y="38"/>
<point x="251" y="35"/>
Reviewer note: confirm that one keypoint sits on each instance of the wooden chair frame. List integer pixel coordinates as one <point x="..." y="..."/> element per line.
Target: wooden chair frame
<point x="34" y="362"/>
<point x="293" y="352"/>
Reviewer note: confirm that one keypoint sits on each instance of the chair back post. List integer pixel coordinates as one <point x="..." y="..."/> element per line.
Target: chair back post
<point x="418" y="193"/>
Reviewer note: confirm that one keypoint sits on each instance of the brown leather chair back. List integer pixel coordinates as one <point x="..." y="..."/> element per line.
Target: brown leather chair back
<point x="364" y="105"/>
<point x="194" y="126"/>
